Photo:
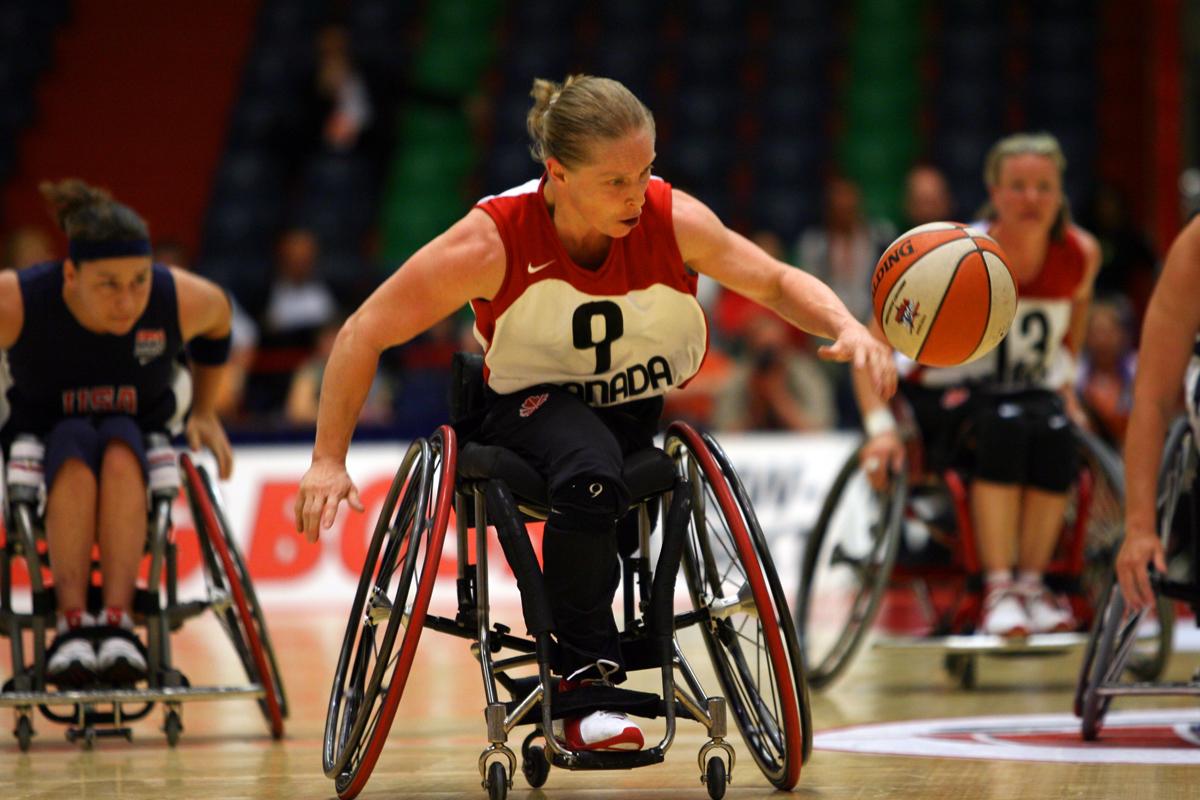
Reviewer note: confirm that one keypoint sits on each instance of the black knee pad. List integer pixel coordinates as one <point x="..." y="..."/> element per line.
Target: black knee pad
<point x="1054" y="463"/>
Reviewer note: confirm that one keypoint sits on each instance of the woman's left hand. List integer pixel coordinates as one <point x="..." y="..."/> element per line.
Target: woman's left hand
<point x="205" y="430"/>
<point x="856" y="345"/>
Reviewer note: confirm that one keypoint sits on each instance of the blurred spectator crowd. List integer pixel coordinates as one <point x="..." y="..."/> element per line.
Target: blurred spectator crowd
<point x="760" y="374"/>
<point x="344" y="132"/>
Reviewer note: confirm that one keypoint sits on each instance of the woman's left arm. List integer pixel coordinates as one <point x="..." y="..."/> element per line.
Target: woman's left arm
<point x="205" y="317"/>
<point x="737" y="263"/>
<point x="1081" y="303"/>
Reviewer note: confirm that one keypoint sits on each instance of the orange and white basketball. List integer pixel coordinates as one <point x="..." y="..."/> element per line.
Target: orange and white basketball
<point x="943" y="294"/>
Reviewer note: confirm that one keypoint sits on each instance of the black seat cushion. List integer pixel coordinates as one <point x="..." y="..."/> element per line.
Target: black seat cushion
<point x="647" y="473"/>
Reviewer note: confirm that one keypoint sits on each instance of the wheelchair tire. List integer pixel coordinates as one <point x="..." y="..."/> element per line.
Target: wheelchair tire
<point x="1109" y="633"/>
<point x="777" y="728"/>
<point x="399" y="572"/>
<point x="243" y="619"/>
<point x="1144" y="666"/>
<point x="827" y="550"/>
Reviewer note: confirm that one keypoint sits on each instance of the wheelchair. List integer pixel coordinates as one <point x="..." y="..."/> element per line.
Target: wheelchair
<point x="853" y="557"/>
<point x="107" y="711"/>
<point x="1117" y="639"/>
<point x="737" y="603"/>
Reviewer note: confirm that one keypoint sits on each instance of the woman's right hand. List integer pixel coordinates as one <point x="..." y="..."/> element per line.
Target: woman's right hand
<point x="1140" y="548"/>
<point x="322" y="490"/>
<point x="881" y="457"/>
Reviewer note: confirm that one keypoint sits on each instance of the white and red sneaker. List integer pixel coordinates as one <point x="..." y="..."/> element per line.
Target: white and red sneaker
<point x="119" y="657"/>
<point x="1047" y="613"/>
<point x="71" y="658"/>
<point x="600" y="730"/>
<point x="1004" y="614"/>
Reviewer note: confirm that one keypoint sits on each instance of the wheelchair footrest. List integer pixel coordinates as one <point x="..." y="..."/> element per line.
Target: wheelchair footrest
<point x="609" y="760"/>
<point x="585" y="700"/>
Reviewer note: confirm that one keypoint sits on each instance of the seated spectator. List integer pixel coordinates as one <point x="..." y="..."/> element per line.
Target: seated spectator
<point x="927" y="196"/>
<point x="26" y="246"/>
<point x="243" y="338"/>
<point x="305" y="391"/>
<point x="775" y="385"/>
<point x="1107" y="367"/>
<point x="298" y="305"/>
<point x="342" y="90"/>
<point x="842" y="252"/>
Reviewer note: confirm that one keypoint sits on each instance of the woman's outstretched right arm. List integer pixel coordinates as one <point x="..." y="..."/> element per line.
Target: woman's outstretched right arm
<point x="465" y="262"/>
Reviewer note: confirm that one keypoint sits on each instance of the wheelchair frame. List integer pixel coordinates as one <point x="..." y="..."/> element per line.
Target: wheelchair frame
<point x="1114" y="635"/>
<point x="103" y="712"/>
<point x="408" y="540"/>
<point x="876" y="567"/>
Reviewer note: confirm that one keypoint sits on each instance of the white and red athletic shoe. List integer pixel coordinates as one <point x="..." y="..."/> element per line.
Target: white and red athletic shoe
<point x="600" y="730"/>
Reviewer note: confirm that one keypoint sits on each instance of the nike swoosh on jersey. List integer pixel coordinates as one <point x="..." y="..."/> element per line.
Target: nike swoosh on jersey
<point x="532" y="269"/>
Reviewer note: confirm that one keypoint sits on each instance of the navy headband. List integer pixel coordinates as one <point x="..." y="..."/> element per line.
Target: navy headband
<point x="83" y="250"/>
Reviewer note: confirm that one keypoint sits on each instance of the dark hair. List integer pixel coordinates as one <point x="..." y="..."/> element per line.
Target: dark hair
<point x="566" y="117"/>
<point x="86" y="213"/>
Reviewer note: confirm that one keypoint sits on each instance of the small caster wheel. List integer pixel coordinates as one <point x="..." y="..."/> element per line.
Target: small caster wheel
<point x="715" y="778"/>
<point x="535" y="766"/>
<point x="497" y="781"/>
<point x="963" y="669"/>
<point x="24" y="733"/>
<point x="172" y="727"/>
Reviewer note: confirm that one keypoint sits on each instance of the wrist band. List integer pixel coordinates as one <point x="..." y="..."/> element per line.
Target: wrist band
<point x="878" y="422"/>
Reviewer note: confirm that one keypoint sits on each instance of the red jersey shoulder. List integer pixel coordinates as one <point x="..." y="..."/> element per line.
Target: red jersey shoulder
<point x="1063" y="271"/>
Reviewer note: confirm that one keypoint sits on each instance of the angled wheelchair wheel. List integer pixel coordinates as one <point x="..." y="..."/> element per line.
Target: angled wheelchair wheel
<point x="1112" y="635"/>
<point x="848" y="560"/>
<point x="226" y="574"/>
<point x="1141" y="644"/>
<point x="389" y="611"/>
<point x="748" y="633"/>
<point x="1148" y="656"/>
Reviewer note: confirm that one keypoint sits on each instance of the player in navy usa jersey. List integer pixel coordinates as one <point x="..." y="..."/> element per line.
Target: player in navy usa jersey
<point x="92" y="366"/>
<point x="583" y="287"/>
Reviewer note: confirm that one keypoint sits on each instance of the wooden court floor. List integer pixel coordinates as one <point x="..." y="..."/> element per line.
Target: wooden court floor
<point x="225" y="751"/>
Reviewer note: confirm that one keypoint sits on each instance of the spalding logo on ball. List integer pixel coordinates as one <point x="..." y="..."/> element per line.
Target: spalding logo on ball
<point x="943" y="294"/>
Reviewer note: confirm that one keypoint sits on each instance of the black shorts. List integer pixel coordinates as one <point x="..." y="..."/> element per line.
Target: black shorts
<point x="565" y="439"/>
<point x="1024" y="439"/>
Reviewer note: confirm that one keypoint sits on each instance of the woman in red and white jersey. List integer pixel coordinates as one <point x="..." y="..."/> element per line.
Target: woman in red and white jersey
<point x="1018" y="398"/>
<point x="583" y="287"/>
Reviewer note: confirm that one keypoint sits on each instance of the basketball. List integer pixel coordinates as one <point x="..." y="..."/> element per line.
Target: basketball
<point x="943" y="294"/>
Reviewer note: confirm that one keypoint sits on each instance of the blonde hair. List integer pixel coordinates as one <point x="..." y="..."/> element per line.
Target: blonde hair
<point x="92" y="214"/>
<point x="567" y="117"/>
<point x="1019" y="144"/>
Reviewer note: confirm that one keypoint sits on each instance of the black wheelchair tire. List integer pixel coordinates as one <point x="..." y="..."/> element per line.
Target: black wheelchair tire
<point x="885" y="548"/>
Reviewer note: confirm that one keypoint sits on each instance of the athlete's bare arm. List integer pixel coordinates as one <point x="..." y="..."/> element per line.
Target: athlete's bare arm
<point x="12" y="308"/>
<point x="204" y="310"/>
<point x="737" y="263"/>
<point x="1168" y="333"/>
<point x="1081" y="303"/>
<point x="465" y="262"/>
